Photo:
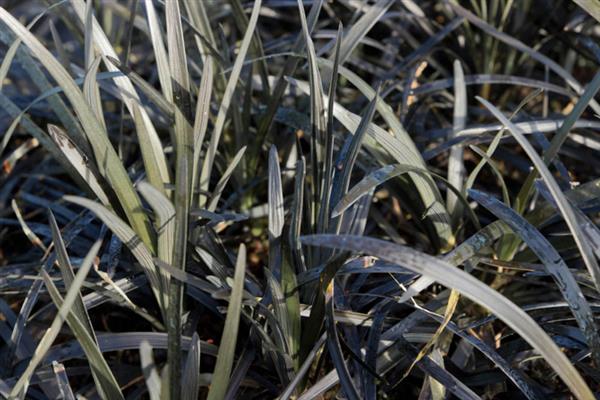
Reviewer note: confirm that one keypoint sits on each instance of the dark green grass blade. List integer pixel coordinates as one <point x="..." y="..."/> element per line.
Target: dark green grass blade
<point x="68" y="275"/>
<point x="333" y="344"/>
<point x="106" y="157"/>
<point x="140" y="251"/>
<point x="470" y="287"/>
<point x="211" y="152"/>
<point x="360" y="28"/>
<point x="456" y="167"/>
<point x="226" y="355"/>
<point x="348" y="155"/>
<point x="328" y="173"/>
<point x="381" y="175"/>
<point x="184" y="142"/>
<point x="20" y="388"/>
<point x="149" y="370"/>
<point x="511" y="41"/>
<point x="564" y="206"/>
<point x="191" y="371"/>
<point x="281" y="85"/>
<point x="559" y="138"/>
<point x="552" y="261"/>
<point x="296" y="217"/>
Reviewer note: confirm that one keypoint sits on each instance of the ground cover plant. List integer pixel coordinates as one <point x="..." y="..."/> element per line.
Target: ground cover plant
<point x="360" y="199"/>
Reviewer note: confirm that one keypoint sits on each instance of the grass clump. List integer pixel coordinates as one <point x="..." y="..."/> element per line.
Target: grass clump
<point x="284" y="199"/>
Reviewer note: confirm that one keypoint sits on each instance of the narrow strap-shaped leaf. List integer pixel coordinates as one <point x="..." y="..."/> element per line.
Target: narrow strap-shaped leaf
<point x="439" y="374"/>
<point x="317" y="117"/>
<point x="162" y="59"/>
<point x="553" y="262"/>
<point x="279" y="309"/>
<point x="360" y="28"/>
<point x="216" y="195"/>
<point x="9" y="133"/>
<point x="25" y="58"/>
<point x="149" y="370"/>
<point x="165" y="219"/>
<point x="224" y="365"/>
<point x="108" y="162"/>
<point x="588" y="227"/>
<point x="518" y="378"/>
<point x="400" y="150"/>
<point x="324" y="210"/>
<point x="64" y="308"/>
<point x="10" y="54"/>
<point x="276" y="216"/>
<point x="191" y="371"/>
<point x="448" y="312"/>
<point x="324" y="384"/>
<point x="312" y="328"/>
<point x="77" y="160"/>
<point x="106" y="383"/>
<point x="126" y="89"/>
<point x="186" y="277"/>
<point x="515" y="375"/>
<point x="456" y="167"/>
<point x="104" y="47"/>
<point x="292" y="304"/>
<point x="20" y="339"/>
<point x="559" y="138"/>
<point x="383" y="108"/>
<point x="184" y="142"/>
<point x="68" y="276"/>
<point x="151" y="147"/>
<point x="79" y="310"/>
<point x="240" y="371"/>
<point x="296" y="212"/>
<point x="509" y="40"/>
<point x="63" y="381"/>
<point x="289" y="68"/>
<point x="205" y="38"/>
<point x="349" y="154"/>
<point x="580" y="196"/>
<point x="478" y="79"/>
<point x="486" y="157"/>
<point x="139" y="250"/>
<point x="289" y="390"/>
<point x="470" y="287"/>
<point x="154" y="95"/>
<point x="201" y="120"/>
<point x="88" y="40"/>
<point x="257" y="49"/>
<point x="389" y="171"/>
<point x="373" y="338"/>
<point x="423" y="50"/>
<point x="333" y="344"/>
<point x="108" y="342"/>
<point x="495" y="169"/>
<point x="227" y="97"/>
<point x="563" y="205"/>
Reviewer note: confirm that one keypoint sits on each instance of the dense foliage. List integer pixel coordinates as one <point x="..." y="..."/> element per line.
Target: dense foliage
<point x="354" y="199"/>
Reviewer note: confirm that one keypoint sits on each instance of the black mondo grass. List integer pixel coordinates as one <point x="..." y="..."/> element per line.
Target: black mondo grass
<point x="229" y="199"/>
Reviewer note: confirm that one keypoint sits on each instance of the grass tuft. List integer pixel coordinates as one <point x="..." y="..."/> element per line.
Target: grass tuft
<point x="299" y="200"/>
